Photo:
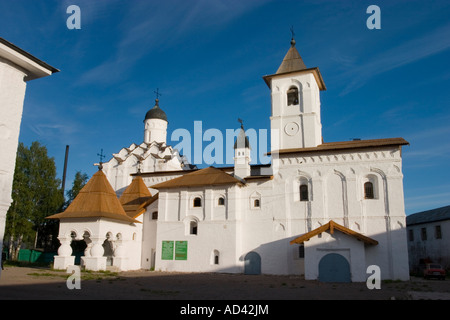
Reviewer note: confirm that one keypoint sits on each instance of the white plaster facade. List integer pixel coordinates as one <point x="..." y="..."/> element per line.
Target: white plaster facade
<point x="336" y="192"/>
<point x="247" y="226"/>
<point x="17" y="67"/>
<point x="123" y="239"/>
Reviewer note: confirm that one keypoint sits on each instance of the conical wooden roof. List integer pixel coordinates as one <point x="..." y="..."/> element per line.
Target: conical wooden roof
<point x="97" y="199"/>
<point x="292" y="61"/>
<point x="136" y="197"/>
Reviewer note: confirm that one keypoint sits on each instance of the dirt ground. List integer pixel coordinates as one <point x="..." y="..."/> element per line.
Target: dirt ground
<point x="17" y="283"/>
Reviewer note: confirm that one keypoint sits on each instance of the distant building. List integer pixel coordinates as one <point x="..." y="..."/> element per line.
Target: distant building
<point x="326" y="210"/>
<point x="17" y="67"/>
<point x="429" y="237"/>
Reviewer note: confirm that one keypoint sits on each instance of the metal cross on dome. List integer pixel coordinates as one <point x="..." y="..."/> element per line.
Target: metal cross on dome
<point x="157" y="93"/>
<point x="101" y="156"/>
<point x="292" y="32"/>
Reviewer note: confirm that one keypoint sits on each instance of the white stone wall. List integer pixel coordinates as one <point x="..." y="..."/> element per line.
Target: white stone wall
<point x="124" y="235"/>
<point x="149" y="247"/>
<point x="336" y="192"/>
<point x="348" y="247"/>
<point x="216" y="229"/>
<point x="155" y="131"/>
<point x="12" y="96"/>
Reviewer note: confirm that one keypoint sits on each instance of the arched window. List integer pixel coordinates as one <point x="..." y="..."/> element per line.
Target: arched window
<point x="292" y="96"/>
<point x="304" y="192"/>
<point x="368" y="190"/>
<point x="255" y="200"/>
<point x="221" y="201"/>
<point x="193" y="227"/>
<point x="215" y="257"/>
<point x="197" y="202"/>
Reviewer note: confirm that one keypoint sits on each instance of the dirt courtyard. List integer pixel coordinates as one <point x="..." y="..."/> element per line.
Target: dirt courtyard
<point x="18" y="283"/>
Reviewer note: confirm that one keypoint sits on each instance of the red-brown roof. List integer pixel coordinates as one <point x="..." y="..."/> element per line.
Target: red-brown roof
<point x="354" y="144"/>
<point x="205" y="177"/>
<point x="331" y="226"/>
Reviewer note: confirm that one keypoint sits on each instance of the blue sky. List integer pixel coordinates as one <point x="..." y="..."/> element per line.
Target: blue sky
<point x="207" y="57"/>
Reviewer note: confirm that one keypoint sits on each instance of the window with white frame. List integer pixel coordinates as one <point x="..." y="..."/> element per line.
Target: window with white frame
<point x="197" y="202"/>
<point x="370" y="187"/>
<point x="255" y="200"/>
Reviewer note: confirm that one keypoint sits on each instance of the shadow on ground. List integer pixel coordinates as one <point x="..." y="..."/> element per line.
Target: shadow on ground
<point x="45" y="284"/>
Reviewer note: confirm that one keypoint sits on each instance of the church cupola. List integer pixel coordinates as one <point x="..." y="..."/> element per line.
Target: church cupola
<point x="155" y="125"/>
<point x="295" y="89"/>
<point x="242" y="154"/>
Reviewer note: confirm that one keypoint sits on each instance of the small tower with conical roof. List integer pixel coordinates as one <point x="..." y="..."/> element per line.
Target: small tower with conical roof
<point x="242" y="154"/>
<point x="155" y="125"/>
<point x="295" y="91"/>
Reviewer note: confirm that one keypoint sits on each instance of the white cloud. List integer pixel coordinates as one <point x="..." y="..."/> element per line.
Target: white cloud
<point x="403" y="54"/>
<point x="146" y="25"/>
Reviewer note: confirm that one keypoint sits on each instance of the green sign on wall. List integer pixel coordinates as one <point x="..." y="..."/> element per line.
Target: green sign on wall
<point x="181" y="250"/>
<point x="167" y="250"/>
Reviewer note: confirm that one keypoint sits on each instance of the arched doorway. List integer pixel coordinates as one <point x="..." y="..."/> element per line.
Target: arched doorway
<point x="334" y="267"/>
<point x="252" y="263"/>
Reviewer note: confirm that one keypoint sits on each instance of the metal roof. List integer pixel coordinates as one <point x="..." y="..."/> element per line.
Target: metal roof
<point x="156" y="112"/>
<point x="428" y="216"/>
<point x="242" y="140"/>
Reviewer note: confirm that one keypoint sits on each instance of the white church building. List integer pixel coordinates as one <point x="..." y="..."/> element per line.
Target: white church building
<point x="325" y="210"/>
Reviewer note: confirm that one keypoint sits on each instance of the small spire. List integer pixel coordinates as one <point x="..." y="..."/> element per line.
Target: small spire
<point x="293" y="36"/>
<point x="101" y="156"/>
<point x="241" y="122"/>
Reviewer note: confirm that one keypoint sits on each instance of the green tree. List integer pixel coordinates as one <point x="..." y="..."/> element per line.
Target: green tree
<point x="36" y="194"/>
<point x="78" y="183"/>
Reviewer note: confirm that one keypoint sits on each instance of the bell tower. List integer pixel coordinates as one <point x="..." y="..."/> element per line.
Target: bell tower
<point x="295" y="91"/>
<point x="242" y="154"/>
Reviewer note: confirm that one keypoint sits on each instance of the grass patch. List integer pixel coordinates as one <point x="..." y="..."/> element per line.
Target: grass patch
<point x="46" y="274"/>
<point x="85" y="274"/>
<point x="160" y="292"/>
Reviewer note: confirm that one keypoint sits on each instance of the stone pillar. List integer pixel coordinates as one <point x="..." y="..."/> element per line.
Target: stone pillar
<point x="95" y="261"/>
<point x="64" y="257"/>
<point x="119" y="260"/>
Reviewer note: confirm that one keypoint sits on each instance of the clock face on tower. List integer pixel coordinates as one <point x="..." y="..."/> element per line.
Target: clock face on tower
<point x="291" y="128"/>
